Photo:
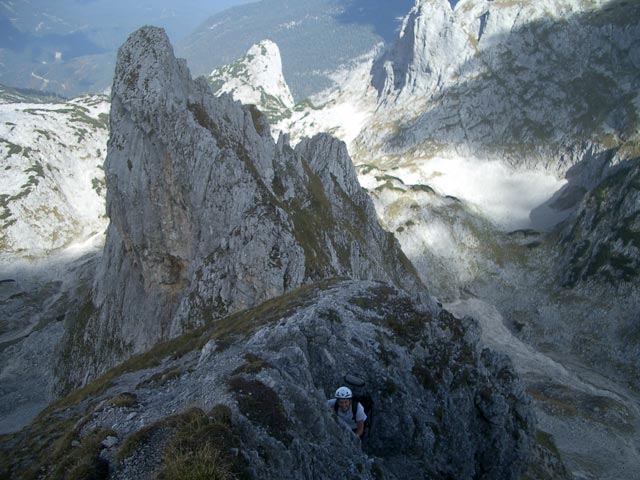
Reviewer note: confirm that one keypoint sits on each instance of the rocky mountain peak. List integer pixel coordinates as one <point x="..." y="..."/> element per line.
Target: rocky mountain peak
<point x="210" y="216"/>
<point x="421" y="60"/>
<point x="257" y="79"/>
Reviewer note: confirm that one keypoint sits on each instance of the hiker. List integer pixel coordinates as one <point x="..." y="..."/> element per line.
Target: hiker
<point x="351" y="414"/>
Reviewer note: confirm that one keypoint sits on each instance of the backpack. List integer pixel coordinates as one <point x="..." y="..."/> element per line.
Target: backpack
<point x="362" y="397"/>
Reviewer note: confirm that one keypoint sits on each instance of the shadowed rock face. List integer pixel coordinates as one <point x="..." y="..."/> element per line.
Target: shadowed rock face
<point x="603" y="241"/>
<point x="210" y="216"/>
<point x="543" y="84"/>
<point x="443" y="408"/>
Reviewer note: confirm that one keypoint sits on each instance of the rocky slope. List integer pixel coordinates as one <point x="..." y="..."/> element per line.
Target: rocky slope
<point x="602" y="242"/>
<point x="257" y="79"/>
<point x="494" y="126"/>
<point x="52" y="214"/>
<point x="246" y="394"/>
<point x="486" y="79"/>
<point x="597" y="158"/>
<point x="210" y="216"/>
<point x="52" y="188"/>
<point x="526" y="99"/>
<point x="562" y="305"/>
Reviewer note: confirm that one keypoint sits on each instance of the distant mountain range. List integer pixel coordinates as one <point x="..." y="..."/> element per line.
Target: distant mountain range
<point x="69" y="47"/>
<point x="70" y="50"/>
<point x="315" y="37"/>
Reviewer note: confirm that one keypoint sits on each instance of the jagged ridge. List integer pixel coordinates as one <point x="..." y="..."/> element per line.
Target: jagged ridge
<point x="210" y="216"/>
<point x="443" y="407"/>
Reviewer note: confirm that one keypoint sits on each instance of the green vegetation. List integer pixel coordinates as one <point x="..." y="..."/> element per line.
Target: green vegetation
<point x="307" y="104"/>
<point x="202" y="447"/>
<point x="13" y="149"/>
<point x="202" y="462"/>
<point x="63" y="449"/>
<point x="81" y="115"/>
<point x="45" y="133"/>
<point x="37" y="169"/>
<point x="161" y="378"/>
<point x="366" y="168"/>
<point x="253" y="365"/>
<point x="390" y="183"/>
<point x="35" y="172"/>
<point x="99" y="185"/>
<point x="60" y="451"/>
<point x="72" y="462"/>
<point x="77" y="113"/>
<point x="273" y="107"/>
<point x="422" y="188"/>
<point x="4" y="205"/>
<point x="311" y="220"/>
<point x="81" y="134"/>
<point x="400" y="317"/>
<point x="261" y="405"/>
<point x="124" y="400"/>
<point x="240" y="325"/>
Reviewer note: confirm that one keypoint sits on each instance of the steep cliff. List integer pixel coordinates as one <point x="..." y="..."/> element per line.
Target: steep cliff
<point x="210" y="216"/>
<point x="603" y="241"/>
<point x="537" y="84"/>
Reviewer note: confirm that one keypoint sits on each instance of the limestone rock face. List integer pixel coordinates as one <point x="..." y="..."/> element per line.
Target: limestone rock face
<point x="603" y="241"/>
<point x="420" y="61"/>
<point x="209" y="215"/>
<point x="253" y="388"/>
<point x="538" y="84"/>
<point x="257" y="79"/>
<point x="52" y="185"/>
